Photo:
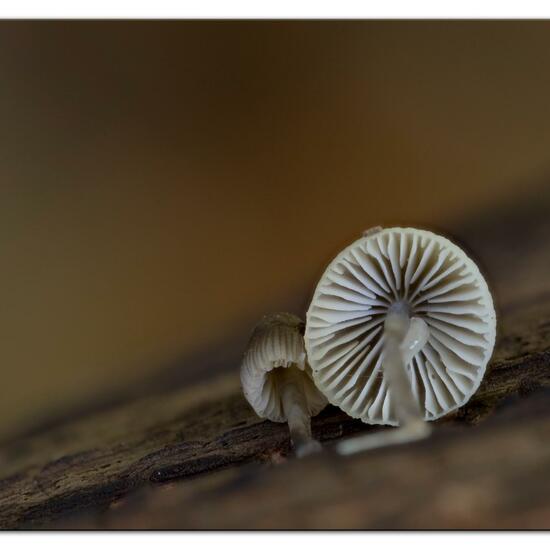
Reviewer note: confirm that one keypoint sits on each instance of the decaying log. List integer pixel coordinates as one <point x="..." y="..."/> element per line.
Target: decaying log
<point x="493" y="476"/>
<point x="198" y="457"/>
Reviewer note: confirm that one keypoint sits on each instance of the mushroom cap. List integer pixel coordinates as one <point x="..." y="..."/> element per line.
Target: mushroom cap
<point x="277" y="342"/>
<point x="435" y="281"/>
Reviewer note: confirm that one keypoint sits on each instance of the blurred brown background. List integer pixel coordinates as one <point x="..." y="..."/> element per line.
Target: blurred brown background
<point x="164" y="184"/>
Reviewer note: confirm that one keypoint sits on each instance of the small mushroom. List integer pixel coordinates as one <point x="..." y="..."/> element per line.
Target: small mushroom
<point x="399" y="331"/>
<point x="276" y="378"/>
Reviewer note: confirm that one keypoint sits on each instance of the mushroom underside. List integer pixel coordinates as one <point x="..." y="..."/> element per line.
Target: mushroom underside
<point x="277" y="381"/>
<point x="424" y="276"/>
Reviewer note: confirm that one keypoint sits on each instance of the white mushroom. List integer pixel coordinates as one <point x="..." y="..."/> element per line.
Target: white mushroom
<point x="276" y="378"/>
<point x="400" y="330"/>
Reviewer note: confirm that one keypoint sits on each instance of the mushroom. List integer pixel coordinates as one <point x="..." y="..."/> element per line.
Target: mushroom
<point x="399" y="331"/>
<point x="276" y="378"/>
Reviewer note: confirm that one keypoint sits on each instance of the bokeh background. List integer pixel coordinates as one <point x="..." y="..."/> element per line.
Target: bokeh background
<point x="164" y="184"/>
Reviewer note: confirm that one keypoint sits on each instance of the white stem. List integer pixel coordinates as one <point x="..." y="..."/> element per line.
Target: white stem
<point x="403" y="338"/>
<point x="412" y="431"/>
<point x="295" y="408"/>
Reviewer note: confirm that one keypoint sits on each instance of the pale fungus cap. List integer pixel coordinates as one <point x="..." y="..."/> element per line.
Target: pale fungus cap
<point x="277" y="342"/>
<point x="430" y="278"/>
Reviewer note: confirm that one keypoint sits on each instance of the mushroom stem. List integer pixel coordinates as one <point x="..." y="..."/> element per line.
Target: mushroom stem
<point x="403" y="338"/>
<point x="295" y="408"/>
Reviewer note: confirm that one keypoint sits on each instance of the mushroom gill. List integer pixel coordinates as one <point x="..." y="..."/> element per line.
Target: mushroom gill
<point x="276" y="378"/>
<point x="400" y="308"/>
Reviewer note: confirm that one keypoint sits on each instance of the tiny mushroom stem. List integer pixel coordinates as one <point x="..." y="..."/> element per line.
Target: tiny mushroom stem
<point x="276" y="379"/>
<point x="403" y="338"/>
<point x="296" y="411"/>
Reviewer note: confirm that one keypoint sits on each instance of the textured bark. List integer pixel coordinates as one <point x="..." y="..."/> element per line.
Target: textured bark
<point x="494" y="476"/>
<point x="198" y="457"/>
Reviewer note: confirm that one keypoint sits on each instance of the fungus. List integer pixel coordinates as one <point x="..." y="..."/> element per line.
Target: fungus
<point x="399" y="331"/>
<point x="276" y="378"/>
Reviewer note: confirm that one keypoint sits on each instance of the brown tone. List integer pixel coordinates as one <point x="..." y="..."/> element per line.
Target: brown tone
<point x="134" y="465"/>
<point x="164" y="184"/>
